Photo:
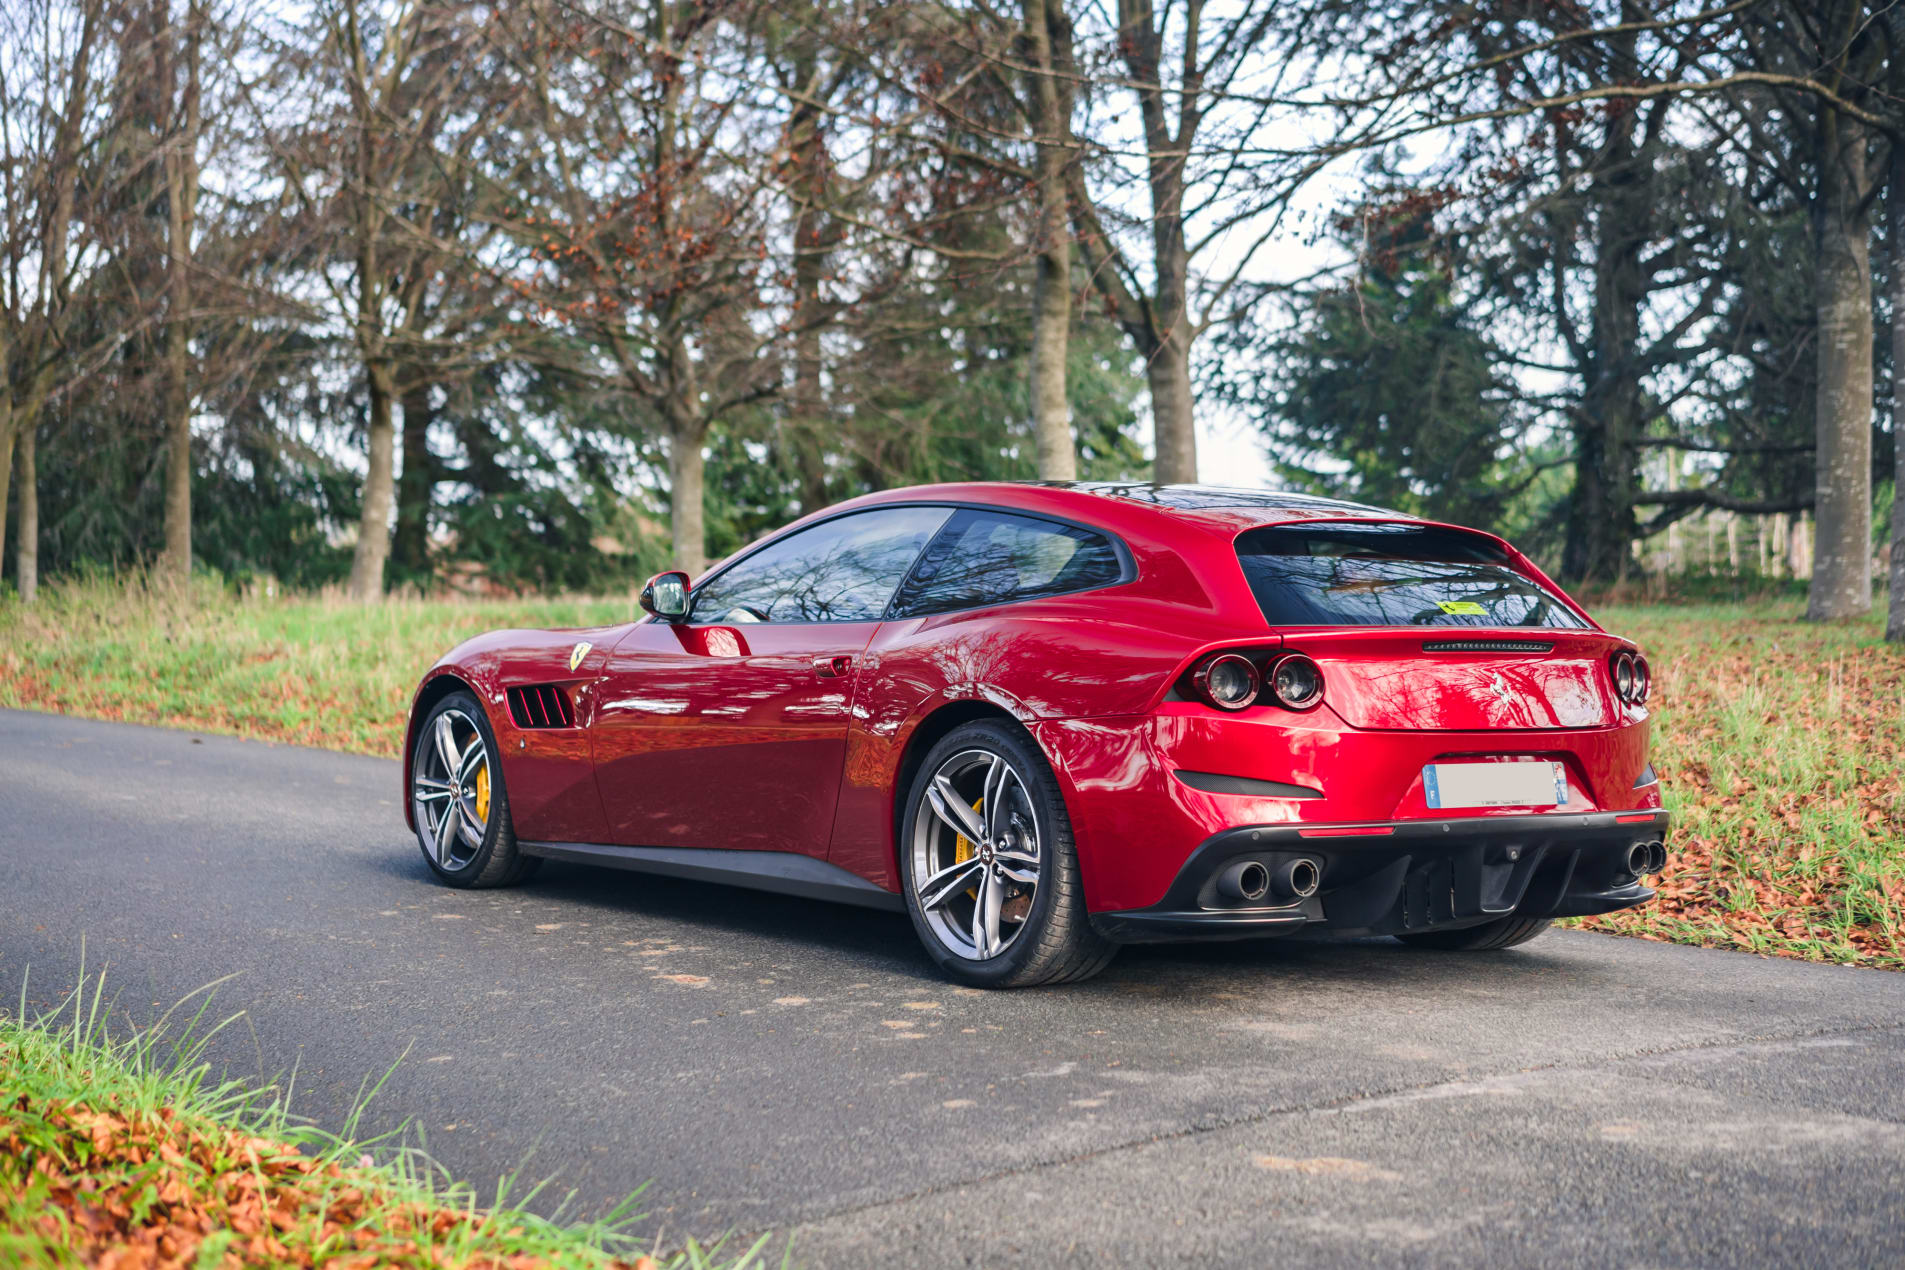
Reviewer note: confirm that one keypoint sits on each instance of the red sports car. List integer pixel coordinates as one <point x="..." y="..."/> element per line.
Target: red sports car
<point x="1047" y="720"/>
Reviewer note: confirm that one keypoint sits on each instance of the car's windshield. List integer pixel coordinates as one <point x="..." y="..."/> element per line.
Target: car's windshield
<point x="1379" y="574"/>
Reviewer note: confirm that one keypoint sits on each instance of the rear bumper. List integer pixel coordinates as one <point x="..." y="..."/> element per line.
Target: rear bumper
<point x="1399" y="877"/>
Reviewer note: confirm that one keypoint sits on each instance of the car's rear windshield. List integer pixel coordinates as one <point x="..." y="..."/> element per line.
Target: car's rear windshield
<point x="1390" y="575"/>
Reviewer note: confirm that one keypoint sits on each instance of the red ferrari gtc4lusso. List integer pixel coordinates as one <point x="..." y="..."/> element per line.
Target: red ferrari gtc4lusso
<point x="1047" y="720"/>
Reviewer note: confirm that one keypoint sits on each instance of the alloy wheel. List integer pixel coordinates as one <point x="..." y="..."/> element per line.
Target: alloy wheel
<point x="450" y="789"/>
<point x="977" y="854"/>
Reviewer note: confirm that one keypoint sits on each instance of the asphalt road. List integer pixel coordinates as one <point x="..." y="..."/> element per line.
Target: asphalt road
<point x="794" y="1066"/>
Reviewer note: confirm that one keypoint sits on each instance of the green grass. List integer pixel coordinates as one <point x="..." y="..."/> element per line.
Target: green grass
<point x="128" y="1145"/>
<point x="314" y="670"/>
<point x="1781" y="747"/>
<point x="1780" y="743"/>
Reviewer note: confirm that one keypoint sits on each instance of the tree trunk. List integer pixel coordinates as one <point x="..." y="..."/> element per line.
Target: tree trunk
<point x="808" y="424"/>
<point x="176" y="560"/>
<point x="1842" y="568"/>
<point x="416" y="484"/>
<point x="1613" y="406"/>
<point x="1895" y="209"/>
<point x="6" y="451"/>
<point x="373" y="530"/>
<point x="806" y="429"/>
<point x="181" y="196"/>
<point x="27" y="558"/>
<point x="1601" y="526"/>
<point x="1169" y="366"/>
<point x="686" y="486"/>
<point x="1051" y="349"/>
<point x="1168" y="370"/>
<point x="1049" y="35"/>
<point x="1895" y="612"/>
<point x="1166" y="333"/>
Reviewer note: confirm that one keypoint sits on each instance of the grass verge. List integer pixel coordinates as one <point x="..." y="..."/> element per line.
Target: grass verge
<point x="1781" y="750"/>
<point x="1780" y="744"/>
<point x="311" y="670"/>
<point x="126" y="1151"/>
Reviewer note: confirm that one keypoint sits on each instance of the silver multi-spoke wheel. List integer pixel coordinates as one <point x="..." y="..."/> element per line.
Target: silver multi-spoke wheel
<point x="977" y="857"/>
<point x="450" y="789"/>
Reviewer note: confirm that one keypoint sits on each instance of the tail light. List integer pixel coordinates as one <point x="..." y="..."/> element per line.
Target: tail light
<point x="1234" y="680"/>
<point x="1296" y="682"/>
<point x="1632" y="677"/>
<point x="1228" y="681"/>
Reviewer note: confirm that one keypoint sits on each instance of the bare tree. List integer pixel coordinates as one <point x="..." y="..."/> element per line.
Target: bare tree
<point x="368" y="167"/>
<point x="652" y="212"/>
<point x="1204" y="175"/>
<point x="46" y="112"/>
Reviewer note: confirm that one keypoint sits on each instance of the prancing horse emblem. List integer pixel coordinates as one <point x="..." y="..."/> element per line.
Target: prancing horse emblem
<point x="581" y="650"/>
<point x="1496" y="685"/>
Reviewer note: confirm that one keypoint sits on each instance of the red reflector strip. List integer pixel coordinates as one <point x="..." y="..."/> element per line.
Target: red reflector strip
<point x="1344" y="833"/>
<point x="1645" y="817"/>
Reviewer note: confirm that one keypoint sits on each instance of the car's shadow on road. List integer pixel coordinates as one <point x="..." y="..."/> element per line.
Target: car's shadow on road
<point x="876" y="942"/>
<point x="880" y="941"/>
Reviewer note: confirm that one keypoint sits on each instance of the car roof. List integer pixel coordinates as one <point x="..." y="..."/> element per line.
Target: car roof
<point x="1212" y="507"/>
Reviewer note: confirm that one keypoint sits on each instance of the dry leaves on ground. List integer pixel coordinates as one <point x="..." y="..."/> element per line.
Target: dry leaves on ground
<point x="125" y="1189"/>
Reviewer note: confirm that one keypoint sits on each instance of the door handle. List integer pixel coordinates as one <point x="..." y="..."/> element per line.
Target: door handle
<point x="835" y="667"/>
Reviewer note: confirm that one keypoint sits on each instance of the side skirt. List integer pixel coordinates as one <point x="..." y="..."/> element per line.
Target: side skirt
<point x="782" y="872"/>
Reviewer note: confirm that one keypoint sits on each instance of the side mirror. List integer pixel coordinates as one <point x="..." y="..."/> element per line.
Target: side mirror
<point x="666" y="596"/>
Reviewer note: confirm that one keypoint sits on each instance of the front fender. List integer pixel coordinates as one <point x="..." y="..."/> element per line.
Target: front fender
<point x="549" y="773"/>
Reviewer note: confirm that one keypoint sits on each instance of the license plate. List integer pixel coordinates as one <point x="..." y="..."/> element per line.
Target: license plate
<point x="1527" y="784"/>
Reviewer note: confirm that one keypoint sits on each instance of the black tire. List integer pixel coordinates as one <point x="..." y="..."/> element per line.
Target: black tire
<point x="497" y="860"/>
<point x="1055" y="942"/>
<point x="1504" y="932"/>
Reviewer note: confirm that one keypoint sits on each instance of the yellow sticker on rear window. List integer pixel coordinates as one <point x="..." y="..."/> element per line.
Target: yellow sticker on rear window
<point x="1461" y="608"/>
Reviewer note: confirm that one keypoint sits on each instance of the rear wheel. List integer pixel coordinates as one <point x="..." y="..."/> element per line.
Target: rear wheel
<point x="1504" y="932"/>
<point x="990" y="870"/>
<point x="458" y="800"/>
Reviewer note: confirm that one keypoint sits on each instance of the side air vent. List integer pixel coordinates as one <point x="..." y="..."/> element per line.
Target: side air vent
<point x="1487" y="646"/>
<point x="541" y="706"/>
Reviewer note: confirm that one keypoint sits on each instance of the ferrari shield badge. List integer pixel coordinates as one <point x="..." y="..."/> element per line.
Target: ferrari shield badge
<point x="577" y="653"/>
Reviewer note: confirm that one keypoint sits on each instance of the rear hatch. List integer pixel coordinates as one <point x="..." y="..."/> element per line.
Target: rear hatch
<point x="1426" y="627"/>
<point x="1465" y="682"/>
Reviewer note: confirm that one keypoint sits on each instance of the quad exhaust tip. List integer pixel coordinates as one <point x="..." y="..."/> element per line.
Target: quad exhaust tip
<point x="1297" y="878"/>
<point x="1252" y="880"/>
<point x="1646" y="857"/>
<point x="1244" y="880"/>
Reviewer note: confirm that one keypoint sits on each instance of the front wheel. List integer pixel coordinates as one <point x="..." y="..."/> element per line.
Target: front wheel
<point x="458" y="799"/>
<point x="990" y="870"/>
<point x="1503" y="932"/>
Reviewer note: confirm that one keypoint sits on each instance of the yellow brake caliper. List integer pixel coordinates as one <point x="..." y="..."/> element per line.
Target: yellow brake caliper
<point x="963" y="849"/>
<point x="482" y="792"/>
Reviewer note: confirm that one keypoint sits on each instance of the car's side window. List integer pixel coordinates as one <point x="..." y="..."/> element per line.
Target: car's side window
<point x="988" y="557"/>
<point x="841" y="570"/>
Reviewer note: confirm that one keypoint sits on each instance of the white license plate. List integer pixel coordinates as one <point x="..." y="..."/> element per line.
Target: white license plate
<point x="1527" y="784"/>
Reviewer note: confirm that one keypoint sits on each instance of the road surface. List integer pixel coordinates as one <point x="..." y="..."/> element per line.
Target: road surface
<point x="783" y="1065"/>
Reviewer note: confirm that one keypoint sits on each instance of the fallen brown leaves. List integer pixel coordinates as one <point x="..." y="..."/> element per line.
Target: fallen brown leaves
<point x="128" y="1189"/>
<point x="1782" y="747"/>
